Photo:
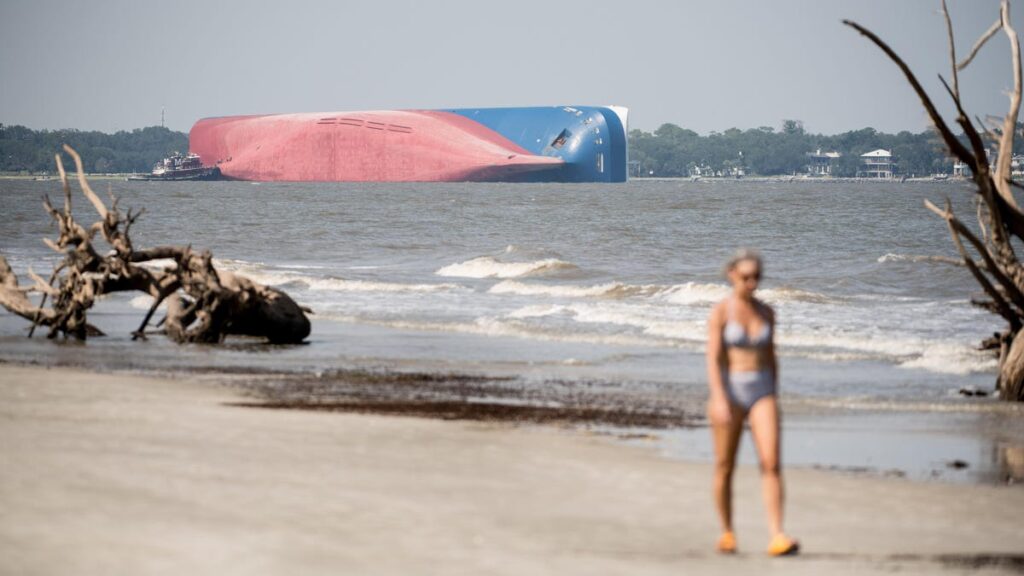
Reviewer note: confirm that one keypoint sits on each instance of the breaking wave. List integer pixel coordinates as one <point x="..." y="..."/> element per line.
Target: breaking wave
<point x="891" y="257"/>
<point x="952" y="359"/>
<point x="687" y="294"/>
<point x="258" y="273"/>
<point x="609" y="290"/>
<point x="653" y="324"/>
<point x="488" y="267"/>
<point x="538" y="311"/>
<point x="526" y="302"/>
<point x="342" y="285"/>
<point x="945" y="357"/>
<point x="691" y="293"/>
<point x="234" y="265"/>
<point x="489" y="326"/>
<point x="144" y="302"/>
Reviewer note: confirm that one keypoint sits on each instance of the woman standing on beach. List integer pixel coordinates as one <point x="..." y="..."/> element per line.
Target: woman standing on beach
<point x="743" y="375"/>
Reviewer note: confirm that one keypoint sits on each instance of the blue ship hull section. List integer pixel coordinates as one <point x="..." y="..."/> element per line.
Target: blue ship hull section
<point x="590" y="140"/>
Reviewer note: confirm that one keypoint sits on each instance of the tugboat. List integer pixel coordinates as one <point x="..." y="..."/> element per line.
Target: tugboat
<point x="180" y="167"/>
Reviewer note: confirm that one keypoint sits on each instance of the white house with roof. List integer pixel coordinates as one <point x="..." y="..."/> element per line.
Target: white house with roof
<point x="820" y="163"/>
<point x="960" y="170"/>
<point x="877" y="164"/>
<point x="1017" y="165"/>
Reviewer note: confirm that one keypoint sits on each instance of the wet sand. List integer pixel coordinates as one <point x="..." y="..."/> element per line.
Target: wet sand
<point x="122" y="474"/>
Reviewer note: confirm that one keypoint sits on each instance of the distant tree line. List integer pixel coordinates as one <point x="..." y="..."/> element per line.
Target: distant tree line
<point x="25" y="150"/>
<point x="674" y="151"/>
<point x="668" y="151"/>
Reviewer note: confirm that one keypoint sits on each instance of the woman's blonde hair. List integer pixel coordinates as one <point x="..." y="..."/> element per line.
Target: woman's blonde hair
<point x="742" y="255"/>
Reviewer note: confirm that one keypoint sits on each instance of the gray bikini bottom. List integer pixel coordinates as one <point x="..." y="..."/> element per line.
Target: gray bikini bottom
<point x="746" y="388"/>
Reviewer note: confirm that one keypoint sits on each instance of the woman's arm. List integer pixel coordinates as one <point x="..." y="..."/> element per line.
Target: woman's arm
<point x="773" y="360"/>
<point x="718" y="404"/>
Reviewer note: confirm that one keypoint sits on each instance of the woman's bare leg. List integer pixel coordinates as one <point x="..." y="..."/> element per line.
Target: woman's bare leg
<point x="726" y="438"/>
<point x="764" y="425"/>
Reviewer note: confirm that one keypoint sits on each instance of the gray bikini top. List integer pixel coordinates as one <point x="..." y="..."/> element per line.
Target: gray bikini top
<point x="735" y="335"/>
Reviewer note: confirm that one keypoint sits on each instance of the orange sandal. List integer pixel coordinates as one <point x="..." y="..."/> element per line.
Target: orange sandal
<point x="727" y="543"/>
<point x="782" y="545"/>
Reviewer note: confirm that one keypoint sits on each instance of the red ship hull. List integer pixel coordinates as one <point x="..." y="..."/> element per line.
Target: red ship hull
<point x="393" y="146"/>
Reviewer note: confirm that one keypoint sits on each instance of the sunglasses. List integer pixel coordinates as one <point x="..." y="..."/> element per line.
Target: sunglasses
<point x="756" y="276"/>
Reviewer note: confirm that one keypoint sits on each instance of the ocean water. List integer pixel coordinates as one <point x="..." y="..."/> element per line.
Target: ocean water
<point x="606" y="281"/>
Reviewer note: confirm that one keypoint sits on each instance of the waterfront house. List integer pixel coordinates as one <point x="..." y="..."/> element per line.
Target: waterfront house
<point x="702" y="170"/>
<point x="960" y="170"/>
<point x="1016" y="162"/>
<point x="877" y="164"/>
<point x="820" y="163"/>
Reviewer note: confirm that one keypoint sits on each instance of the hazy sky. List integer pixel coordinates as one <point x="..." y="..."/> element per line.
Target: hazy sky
<point x="707" y="65"/>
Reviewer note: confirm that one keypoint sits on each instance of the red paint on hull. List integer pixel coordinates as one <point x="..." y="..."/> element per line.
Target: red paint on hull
<point x="384" y="146"/>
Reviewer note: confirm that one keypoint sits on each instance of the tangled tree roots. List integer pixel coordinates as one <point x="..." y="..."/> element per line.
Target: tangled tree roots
<point x="203" y="304"/>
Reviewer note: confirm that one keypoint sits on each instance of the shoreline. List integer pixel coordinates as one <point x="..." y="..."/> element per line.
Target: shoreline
<point x="966" y="441"/>
<point x="798" y="178"/>
<point x="144" y="475"/>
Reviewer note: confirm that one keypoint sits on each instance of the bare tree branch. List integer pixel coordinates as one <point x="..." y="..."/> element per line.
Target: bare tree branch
<point x="42" y="301"/>
<point x="981" y="42"/>
<point x="1000" y="272"/>
<point x="101" y="209"/>
<point x="64" y="183"/>
<point x="948" y="137"/>
<point x="42" y="285"/>
<point x="981" y="222"/>
<point x="958" y="230"/>
<point x="1003" y="162"/>
<point x="952" y="52"/>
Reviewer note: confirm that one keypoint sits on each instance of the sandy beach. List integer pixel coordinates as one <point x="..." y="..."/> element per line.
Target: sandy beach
<point x="123" y="474"/>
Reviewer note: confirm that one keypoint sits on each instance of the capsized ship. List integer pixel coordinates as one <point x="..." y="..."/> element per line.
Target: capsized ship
<point x="536" y="144"/>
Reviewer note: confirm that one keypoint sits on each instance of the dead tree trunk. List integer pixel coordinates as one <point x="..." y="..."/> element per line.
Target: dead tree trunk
<point x="203" y="304"/>
<point x="997" y="269"/>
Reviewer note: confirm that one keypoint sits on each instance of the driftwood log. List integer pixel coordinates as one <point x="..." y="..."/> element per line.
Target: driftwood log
<point x="989" y="254"/>
<point x="203" y="304"/>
